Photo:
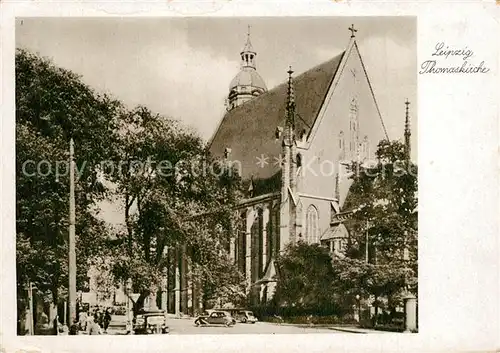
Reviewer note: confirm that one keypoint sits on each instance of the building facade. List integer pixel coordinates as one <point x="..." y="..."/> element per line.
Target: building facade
<point x="292" y="145"/>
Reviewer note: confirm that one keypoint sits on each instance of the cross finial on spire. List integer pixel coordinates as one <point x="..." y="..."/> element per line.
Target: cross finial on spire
<point x="248" y="32"/>
<point x="352" y="30"/>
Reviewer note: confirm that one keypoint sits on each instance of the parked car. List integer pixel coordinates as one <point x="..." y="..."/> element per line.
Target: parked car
<point x="246" y="316"/>
<point x="151" y="322"/>
<point x="119" y="310"/>
<point x="215" y="317"/>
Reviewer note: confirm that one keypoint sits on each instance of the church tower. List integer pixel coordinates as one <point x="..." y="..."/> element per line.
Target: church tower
<point x="291" y="206"/>
<point x="247" y="83"/>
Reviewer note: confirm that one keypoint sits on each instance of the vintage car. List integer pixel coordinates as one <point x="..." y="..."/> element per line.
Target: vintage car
<point x="246" y="316"/>
<point x="215" y="317"/>
<point x="119" y="310"/>
<point x="151" y="322"/>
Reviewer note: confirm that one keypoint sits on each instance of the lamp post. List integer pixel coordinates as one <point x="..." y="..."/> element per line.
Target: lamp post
<point x="71" y="245"/>
<point x="410" y="301"/>
<point x="31" y="317"/>
<point x="366" y="246"/>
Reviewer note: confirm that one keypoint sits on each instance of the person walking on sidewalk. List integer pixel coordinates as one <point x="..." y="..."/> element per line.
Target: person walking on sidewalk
<point x="94" y="328"/>
<point x="73" y="330"/>
<point x="106" y="320"/>
<point x="82" y="320"/>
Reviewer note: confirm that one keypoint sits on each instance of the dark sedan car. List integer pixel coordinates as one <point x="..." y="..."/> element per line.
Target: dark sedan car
<point x="215" y="317"/>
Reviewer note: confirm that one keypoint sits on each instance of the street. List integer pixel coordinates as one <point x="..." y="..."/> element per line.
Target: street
<point x="186" y="326"/>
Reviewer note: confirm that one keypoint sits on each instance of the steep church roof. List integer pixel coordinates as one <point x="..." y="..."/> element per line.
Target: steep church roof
<point x="249" y="130"/>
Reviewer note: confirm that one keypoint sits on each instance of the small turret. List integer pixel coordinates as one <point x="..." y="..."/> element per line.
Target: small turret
<point x="407" y="133"/>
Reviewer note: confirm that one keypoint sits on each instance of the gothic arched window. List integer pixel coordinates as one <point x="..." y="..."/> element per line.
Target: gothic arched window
<point x="353" y="126"/>
<point x="342" y="145"/>
<point x="299" y="160"/>
<point x="312" y="226"/>
<point x="366" y="148"/>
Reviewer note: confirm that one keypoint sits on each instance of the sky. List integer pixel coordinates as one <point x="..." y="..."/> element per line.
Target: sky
<point x="182" y="67"/>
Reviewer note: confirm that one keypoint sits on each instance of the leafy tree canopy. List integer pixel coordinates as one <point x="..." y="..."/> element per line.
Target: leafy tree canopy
<point x="383" y="198"/>
<point x="305" y="277"/>
<point x="52" y="106"/>
<point x="174" y="193"/>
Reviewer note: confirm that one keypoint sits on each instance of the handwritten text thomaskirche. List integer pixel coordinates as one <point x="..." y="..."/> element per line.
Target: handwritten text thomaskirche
<point x="444" y="52"/>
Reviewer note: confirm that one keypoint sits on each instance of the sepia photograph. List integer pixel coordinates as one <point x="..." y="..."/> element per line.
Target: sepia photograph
<point x="216" y="175"/>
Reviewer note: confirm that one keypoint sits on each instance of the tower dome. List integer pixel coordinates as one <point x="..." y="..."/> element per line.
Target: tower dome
<point x="247" y="83"/>
<point x="250" y="78"/>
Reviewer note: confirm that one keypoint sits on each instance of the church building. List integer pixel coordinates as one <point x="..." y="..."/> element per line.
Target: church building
<point x="292" y="144"/>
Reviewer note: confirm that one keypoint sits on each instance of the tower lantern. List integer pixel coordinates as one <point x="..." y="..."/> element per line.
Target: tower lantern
<point x="247" y="84"/>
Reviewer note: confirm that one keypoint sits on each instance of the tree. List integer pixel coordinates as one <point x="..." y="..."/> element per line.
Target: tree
<point x="53" y="105"/>
<point x="214" y="272"/>
<point x="383" y="201"/>
<point x="175" y="197"/>
<point x="306" y="278"/>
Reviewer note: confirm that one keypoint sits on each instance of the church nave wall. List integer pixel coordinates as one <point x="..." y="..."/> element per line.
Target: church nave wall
<point x="257" y="239"/>
<point x="348" y="128"/>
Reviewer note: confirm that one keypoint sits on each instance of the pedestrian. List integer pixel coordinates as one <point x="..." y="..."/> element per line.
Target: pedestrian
<point x="73" y="330"/>
<point x="55" y="325"/>
<point x="63" y="330"/>
<point x="82" y="321"/>
<point x="100" y="317"/>
<point x="129" y="327"/>
<point x="94" y="328"/>
<point x="89" y="321"/>
<point x="106" y="320"/>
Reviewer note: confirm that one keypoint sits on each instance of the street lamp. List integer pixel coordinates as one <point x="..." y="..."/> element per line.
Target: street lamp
<point x="410" y="302"/>
<point x="72" y="237"/>
<point x="31" y="325"/>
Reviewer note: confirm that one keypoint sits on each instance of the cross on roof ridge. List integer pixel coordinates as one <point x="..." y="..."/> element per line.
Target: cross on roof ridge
<point x="353" y="30"/>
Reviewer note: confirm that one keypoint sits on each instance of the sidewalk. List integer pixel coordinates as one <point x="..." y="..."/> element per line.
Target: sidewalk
<point x="181" y="316"/>
<point x="347" y="329"/>
<point x="356" y="329"/>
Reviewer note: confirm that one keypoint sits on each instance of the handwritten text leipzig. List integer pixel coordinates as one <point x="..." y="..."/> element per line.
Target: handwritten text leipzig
<point x="440" y="65"/>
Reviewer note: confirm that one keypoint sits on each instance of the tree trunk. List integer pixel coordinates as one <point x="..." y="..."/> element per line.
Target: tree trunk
<point x="128" y="204"/>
